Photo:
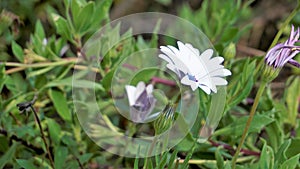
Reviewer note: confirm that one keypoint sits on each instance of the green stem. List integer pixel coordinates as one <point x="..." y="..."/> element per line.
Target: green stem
<point x="43" y="64"/>
<point x="252" y="112"/>
<point x="286" y="22"/>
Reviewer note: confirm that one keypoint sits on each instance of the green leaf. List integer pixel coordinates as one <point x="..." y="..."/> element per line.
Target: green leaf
<point x="106" y="81"/>
<point x="39" y="30"/>
<point x="266" y="159"/>
<point x="163" y="160"/>
<point x="62" y="26"/>
<point x="27" y="164"/>
<point x="275" y="135"/>
<point x="185" y="164"/>
<point x="293" y="148"/>
<point x="54" y="130"/>
<point x="280" y="156"/>
<point x="291" y="163"/>
<point x="2" y="76"/>
<point x="293" y="93"/>
<point x="144" y="75"/>
<point x="136" y="163"/>
<point x="8" y="155"/>
<point x="40" y="71"/>
<point x="172" y="159"/>
<point x="101" y="11"/>
<point x="236" y="128"/>
<point x="41" y="161"/>
<point x="85" y="157"/>
<point x="186" y="143"/>
<point x="60" y="104"/>
<point x="17" y="51"/>
<point x="75" y="8"/>
<point x="76" y="83"/>
<point x="229" y="34"/>
<point x="60" y="156"/>
<point x="83" y="21"/>
<point x="16" y="84"/>
<point x="148" y="163"/>
<point x="219" y="158"/>
<point x="240" y="87"/>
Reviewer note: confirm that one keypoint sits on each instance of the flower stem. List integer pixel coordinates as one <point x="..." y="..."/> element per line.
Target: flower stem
<point x="43" y="136"/>
<point x="163" y="81"/>
<point x="251" y="115"/>
<point x="285" y="23"/>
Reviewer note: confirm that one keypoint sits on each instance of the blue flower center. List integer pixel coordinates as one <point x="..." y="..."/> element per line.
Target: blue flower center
<point x="191" y="77"/>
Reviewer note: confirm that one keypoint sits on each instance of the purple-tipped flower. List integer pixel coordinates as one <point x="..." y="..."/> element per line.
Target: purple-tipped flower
<point x="141" y="102"/>
<point x="283" y="53"/>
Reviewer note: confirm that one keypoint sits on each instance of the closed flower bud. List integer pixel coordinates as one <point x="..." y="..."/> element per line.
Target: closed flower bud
<point x="230" y="51"/>
<point x="165" y="119"/>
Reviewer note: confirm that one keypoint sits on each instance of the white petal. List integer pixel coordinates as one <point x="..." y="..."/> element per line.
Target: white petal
<point x="226" y="72"/>
<point x="178" y="64"/>
<point x="207" y="54"/>
<point x="205" y="89"/>
<point x="217" y="60"/>
<point x="130" y="90"/>
<point x="139" y="89"/>
<point x="173" y="49"/>
<point x="167" y="51"/>
<point x="165" y="57"/>
<point x="149" y="89"/>
<point x="196" y="51"/>
<point x="219" y="81"/>
<point x="174" y="69"/>
<point x="220" y="72"/>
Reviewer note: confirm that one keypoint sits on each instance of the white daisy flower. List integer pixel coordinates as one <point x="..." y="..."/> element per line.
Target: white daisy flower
<point x="141" y="102"/>
<point x="193" y="69"/>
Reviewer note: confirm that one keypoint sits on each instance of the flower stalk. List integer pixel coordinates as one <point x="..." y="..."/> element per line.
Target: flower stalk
<point x="286" y="22"/>
<point x="43" y="136"/>
<point x="25" y="107"/>
<point x="251" y="115"/>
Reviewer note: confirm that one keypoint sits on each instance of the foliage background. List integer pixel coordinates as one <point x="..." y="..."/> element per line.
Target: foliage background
<point x="39" y="43"/>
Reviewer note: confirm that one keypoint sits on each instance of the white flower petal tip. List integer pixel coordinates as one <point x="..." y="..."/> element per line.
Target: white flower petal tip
<point x="194" y="69"/>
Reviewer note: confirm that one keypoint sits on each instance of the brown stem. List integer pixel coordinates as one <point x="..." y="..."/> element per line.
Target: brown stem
<point x="79" y="163"/>
<point x="43" y="136"/>
<point x="163" y="81"/>
<point x="231" y="149"/>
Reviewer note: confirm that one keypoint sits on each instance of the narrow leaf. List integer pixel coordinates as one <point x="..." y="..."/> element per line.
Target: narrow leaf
<point x="8" y="155"/>
<point x="236" y="128"/>
<point x="291" y="163"/>
<point x="60" y="104"/>
<point x="27" y="164"/>
<point x="172" y="159"/>
<point x="62" y="26"/>
<point x="60" y="157"/>
<point x="17" y="51"/>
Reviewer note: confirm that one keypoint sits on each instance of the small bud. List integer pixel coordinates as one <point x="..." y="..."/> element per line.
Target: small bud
<point x="230" y="51"/>
<point x="165" y="119"/>
<point x="270" y="73"/>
